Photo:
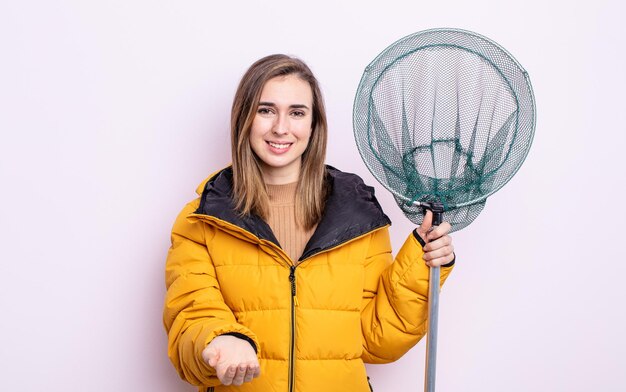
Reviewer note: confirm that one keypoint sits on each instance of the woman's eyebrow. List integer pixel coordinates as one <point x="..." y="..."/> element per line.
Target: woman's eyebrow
<point x="294" y="106"/>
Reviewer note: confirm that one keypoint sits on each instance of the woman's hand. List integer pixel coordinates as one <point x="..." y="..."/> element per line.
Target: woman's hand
<point x="438" y="250"/>
<point x="233" y="359"/>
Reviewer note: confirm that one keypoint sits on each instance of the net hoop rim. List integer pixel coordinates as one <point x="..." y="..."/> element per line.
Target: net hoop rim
<point x="489" y="41"/>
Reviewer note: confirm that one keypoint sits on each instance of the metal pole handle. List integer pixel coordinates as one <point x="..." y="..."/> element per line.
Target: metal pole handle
<point x="431" y="337"/>
<point x="433" y="311"/>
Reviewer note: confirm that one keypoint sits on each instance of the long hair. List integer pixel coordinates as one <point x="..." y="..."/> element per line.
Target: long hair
<point x="249" y="191"/>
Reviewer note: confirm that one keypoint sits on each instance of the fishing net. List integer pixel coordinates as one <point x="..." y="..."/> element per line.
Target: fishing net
<point x="444" y="116"/>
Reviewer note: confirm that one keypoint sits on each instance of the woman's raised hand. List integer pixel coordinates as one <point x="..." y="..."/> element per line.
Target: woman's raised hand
<point x="438" y="250"/>
<point x="233" y="359"/>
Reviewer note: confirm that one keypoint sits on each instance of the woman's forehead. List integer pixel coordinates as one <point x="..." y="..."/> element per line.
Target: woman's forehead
<point x="287" y="89"/>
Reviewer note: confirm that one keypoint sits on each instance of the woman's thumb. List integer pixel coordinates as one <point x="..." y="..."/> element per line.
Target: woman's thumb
<point x="211" y="356"/>
<point x="427" y="223"/>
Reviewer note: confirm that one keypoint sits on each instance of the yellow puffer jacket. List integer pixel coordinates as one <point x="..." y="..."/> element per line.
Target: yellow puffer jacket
<point x="314" y="324"/>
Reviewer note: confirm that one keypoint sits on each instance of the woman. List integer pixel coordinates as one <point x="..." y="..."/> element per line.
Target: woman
<point x="280" y="275"/>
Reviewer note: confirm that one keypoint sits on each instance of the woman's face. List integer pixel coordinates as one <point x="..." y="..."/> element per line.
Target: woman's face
<point x="282" y="127"/>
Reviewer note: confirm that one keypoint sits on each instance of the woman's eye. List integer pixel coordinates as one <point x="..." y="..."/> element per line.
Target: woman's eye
<point x="264" y="111"/>
<point x="298" y="114"/>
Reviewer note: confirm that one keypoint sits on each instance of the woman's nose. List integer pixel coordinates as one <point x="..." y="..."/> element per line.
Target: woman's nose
<point x="281" y="126"/>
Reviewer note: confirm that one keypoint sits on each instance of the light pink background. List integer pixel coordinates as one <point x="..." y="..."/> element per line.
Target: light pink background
<point x="111" y="112"/>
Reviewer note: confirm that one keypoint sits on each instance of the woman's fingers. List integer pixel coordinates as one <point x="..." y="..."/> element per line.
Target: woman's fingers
<point x="239" y="374"/>
<point x="252" y="372"/>
<point x="438" y="232"/>
<point x="245" y="373"/>
<point x="439" y="251"/>
<point x="439" y="261"/>
<point x="228" y="374"/>
<point x="249" y="375"/>
<point x="257" y="371"/>
<point x="438" y="243"/>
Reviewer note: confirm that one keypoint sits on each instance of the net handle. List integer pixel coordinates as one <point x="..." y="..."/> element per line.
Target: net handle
<point x="434" y="281"/>
<point x="433" y="321"/>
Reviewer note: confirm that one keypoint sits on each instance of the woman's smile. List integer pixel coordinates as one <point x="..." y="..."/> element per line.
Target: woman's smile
<point x="279" y="148"/>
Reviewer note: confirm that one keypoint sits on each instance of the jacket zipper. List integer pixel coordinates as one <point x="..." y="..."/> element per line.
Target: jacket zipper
<point x="292" y="343"/>
<point x="294" y="299"/>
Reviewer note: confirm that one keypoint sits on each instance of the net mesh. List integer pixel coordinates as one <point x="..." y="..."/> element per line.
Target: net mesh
<point x="444" y="115"/>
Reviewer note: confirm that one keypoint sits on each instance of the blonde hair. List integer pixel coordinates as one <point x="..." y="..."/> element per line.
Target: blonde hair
<point x="249" y="192"/>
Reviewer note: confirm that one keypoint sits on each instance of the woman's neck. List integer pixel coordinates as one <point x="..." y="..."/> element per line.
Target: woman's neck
<point x="279" y="176"/>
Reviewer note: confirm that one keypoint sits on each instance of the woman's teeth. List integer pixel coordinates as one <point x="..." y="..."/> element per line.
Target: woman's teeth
<point x="279" y="146"/>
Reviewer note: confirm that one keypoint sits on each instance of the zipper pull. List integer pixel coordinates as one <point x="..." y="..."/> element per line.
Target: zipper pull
<point x="292" y="279"/>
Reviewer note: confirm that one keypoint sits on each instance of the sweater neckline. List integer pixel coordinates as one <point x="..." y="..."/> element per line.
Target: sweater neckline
<point x="282" y="194"/>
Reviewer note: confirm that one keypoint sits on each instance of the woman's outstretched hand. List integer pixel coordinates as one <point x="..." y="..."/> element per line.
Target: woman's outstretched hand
<point x="438" y="250"/>
<point x="233" y="359"/>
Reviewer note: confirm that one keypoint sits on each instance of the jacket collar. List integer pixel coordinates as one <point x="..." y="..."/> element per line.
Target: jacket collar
<point x="351" y="210"/>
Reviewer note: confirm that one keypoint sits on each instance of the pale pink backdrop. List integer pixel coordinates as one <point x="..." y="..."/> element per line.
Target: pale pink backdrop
<point x="111" y="112"/>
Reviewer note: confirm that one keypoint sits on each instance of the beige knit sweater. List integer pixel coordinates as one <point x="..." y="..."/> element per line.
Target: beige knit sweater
<point x="292" y="237"/>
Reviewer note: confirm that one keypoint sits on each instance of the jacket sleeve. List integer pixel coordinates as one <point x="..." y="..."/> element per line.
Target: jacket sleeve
<point x="194" y="311"/>
<point x="395" y="298"/>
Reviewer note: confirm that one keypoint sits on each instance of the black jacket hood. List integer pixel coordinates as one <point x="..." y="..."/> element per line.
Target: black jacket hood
<point x="351" y="210"/>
